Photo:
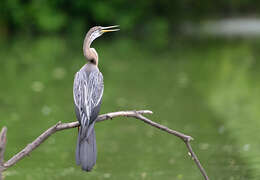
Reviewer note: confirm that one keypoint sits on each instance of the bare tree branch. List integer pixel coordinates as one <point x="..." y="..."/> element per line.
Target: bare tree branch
<point x="195" y="158"/>
<point x="2" y="149"/>
<point x="62" y="126"/>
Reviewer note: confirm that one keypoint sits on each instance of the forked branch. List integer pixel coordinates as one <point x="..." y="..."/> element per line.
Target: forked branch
<point x="62" y="126"/>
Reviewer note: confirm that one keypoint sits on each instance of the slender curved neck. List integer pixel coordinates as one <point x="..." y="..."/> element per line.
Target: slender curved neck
<point x="90" y="53"/>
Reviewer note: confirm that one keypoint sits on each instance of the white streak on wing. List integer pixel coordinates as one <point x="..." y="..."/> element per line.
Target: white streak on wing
<point x="100" y="97"/>
<point x="102" y="88"/>
<point x="87" y="93"/>
<point x="86" y="101"/>
<point x="75" y="89"/>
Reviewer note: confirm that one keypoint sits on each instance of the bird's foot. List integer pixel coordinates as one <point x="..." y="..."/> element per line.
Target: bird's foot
<point x="109" y="117"/>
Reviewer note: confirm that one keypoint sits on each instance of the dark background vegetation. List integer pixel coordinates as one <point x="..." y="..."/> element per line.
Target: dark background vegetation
<point x="205" y="86"/>
<point x="64" y="16"/>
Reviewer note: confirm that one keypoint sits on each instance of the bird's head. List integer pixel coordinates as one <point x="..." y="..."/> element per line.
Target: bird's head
<point x="97" y="31"/>
<point x="93" y="34"/>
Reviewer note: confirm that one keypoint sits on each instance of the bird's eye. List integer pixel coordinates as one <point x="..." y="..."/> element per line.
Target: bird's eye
<point x="92" y="61"/>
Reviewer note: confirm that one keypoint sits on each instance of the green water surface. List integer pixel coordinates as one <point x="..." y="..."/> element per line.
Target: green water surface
<point x="209" y="90"/>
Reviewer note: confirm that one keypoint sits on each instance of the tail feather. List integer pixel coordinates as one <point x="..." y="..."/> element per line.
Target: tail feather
<point x="86" y="151"/>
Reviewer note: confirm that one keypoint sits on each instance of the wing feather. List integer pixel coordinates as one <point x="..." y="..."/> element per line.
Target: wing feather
<point x="87" y="92"/>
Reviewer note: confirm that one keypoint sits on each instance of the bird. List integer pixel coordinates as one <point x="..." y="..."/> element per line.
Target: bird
<point x="88" y="90"/>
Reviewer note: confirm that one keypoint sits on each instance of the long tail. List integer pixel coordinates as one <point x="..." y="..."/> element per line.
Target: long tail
<point x="86" y="151"/>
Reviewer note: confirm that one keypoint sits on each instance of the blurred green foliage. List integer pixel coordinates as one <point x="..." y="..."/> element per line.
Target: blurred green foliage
<point x="73" y="16"/>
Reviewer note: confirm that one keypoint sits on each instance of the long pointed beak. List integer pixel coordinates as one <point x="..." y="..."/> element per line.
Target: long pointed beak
<point x="110" y="28"/>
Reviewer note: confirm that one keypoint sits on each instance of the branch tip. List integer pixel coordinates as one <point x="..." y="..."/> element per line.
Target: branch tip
<point x="3" y="132"/>
<point x="2" y="139"/>
<point x="144" y="112"/>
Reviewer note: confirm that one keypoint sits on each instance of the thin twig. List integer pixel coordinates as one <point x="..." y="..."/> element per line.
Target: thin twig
<point x="2" y="149"/>
<point x="195" y="158"/>
<point x="135" y="114"/>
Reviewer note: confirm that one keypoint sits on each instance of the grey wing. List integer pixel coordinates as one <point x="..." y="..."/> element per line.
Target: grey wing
<point x="77" y="95"/>
<point x="87" y="92"/>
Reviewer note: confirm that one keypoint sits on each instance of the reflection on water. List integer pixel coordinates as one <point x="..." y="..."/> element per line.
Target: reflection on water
<point x="235" y="98"/>
<point x="209" y="91"/>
